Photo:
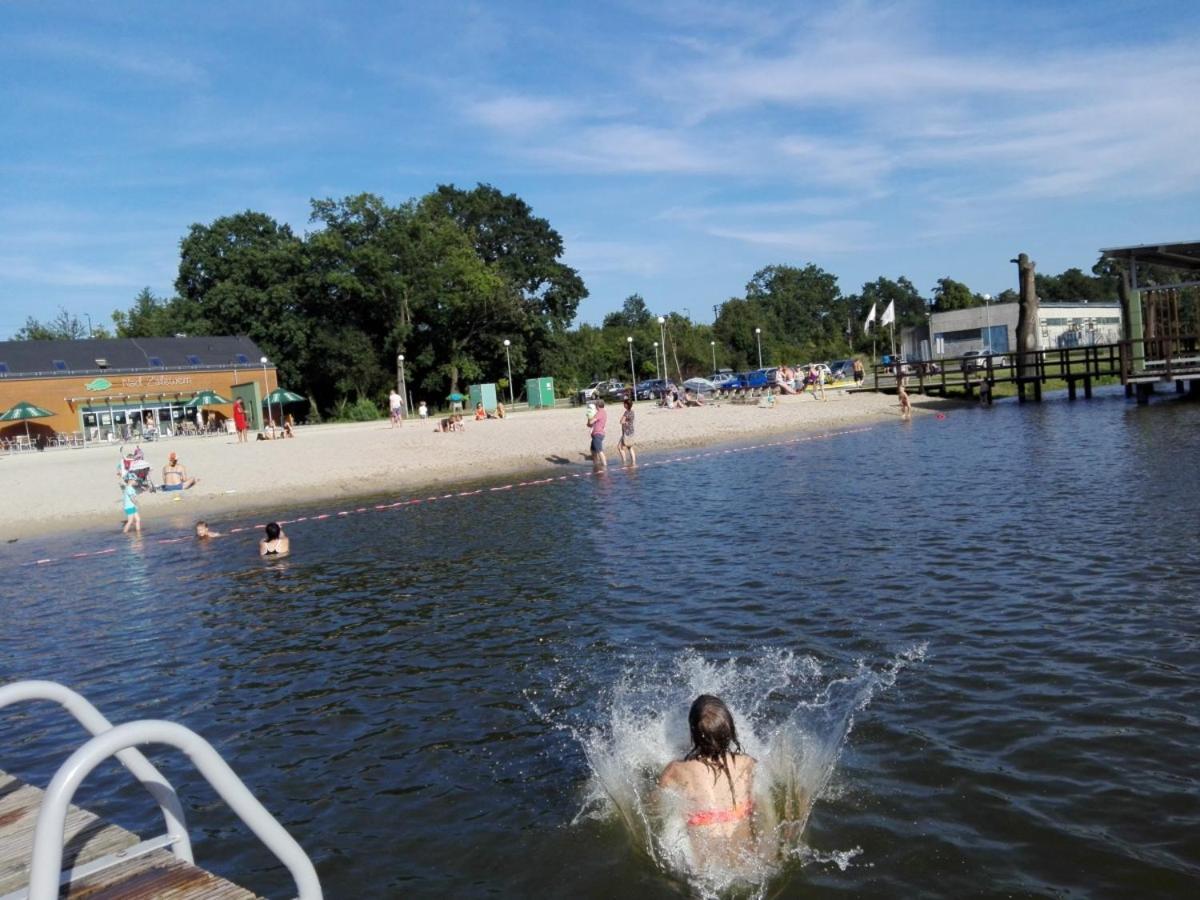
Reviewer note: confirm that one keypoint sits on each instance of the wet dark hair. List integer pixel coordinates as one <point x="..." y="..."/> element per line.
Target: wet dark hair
<point x="628" y="403"/>
<point x="273" y="531"/>
<point x="714" y="737"/>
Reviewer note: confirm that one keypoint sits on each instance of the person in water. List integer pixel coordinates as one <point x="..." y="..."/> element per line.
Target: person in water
<point x="203" y="532"/>
<point x="274" y="542"/>
<point x="714" y="781"/>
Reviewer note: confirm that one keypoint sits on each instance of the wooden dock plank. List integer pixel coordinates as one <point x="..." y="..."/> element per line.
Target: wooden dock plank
<point x="88" y="837"/>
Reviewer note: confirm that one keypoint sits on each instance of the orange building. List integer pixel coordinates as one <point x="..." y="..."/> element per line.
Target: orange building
<point x="119" y="388"/>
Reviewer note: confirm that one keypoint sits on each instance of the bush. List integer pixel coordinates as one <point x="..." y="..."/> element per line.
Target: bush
<point x="361" y="410"/>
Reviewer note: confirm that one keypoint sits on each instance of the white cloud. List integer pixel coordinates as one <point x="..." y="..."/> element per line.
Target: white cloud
<point x="138" y="61"/>
<point x="513" y="112"/>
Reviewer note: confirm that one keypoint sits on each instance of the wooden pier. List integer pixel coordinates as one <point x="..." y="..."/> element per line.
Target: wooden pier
<point x="90" y="840"/>
<point x="1138" y="365"/>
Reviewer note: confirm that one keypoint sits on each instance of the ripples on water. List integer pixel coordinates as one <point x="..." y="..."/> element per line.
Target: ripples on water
<point x="414" y="693"/>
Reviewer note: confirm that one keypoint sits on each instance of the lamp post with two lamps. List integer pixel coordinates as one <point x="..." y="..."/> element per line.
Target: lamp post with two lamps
<point x="508" y="359"/>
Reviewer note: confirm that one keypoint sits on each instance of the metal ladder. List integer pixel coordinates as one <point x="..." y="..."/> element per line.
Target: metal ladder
<point x="45" y="869"/>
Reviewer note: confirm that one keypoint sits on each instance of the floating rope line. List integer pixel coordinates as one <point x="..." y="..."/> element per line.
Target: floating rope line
<point x="380" y="507"/>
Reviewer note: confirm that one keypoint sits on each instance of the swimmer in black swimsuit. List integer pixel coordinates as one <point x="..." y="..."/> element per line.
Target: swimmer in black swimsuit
<point x="275" y="543"/>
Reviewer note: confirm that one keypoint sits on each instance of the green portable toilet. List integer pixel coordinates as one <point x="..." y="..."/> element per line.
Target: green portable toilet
<point x="540" y="392"/>
<point x="485" y="394"/>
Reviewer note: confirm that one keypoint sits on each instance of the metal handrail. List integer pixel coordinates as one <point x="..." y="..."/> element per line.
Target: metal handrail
<point x="133" y="760"/>
<point x="46" y="860"/>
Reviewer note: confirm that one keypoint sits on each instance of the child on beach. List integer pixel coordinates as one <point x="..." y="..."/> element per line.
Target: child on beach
<point x="129" y="497"/>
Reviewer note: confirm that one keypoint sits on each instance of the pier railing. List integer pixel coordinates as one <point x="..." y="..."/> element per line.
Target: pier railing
<point x="1145" y="360"/>
<point x="45" y="871"/>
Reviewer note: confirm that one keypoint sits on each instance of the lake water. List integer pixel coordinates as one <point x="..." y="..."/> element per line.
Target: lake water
<point x="974" y="638"/>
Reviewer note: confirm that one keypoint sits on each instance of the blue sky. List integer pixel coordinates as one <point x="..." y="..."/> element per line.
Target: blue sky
<point x="678" y="147"/>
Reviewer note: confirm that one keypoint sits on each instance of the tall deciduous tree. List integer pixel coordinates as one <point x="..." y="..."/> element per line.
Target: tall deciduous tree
<point x="152" y="316"/>
<point x="66" y="326"/>
<point x="950" y="294"/>
<point x="240" y="275"/>
<point x="525" y="250"/>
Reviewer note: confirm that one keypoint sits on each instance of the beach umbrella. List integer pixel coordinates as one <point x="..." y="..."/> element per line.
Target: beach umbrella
<point x="456" y="397"/>
<point x="282" y="396"/>
<point x="25" y="411"/>
<point x="206" y="398"/>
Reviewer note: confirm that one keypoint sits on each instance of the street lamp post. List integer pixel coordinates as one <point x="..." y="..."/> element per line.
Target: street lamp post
<point x="266" y="393"/>
<point x="508" y="359"/>
<point x="662" y="328"/>
<point x="987" y="305"/>
<point x="632" y="371"/>
<point x="659" y="374"/>
<point x="402" y="385"/>
<point x="758" y="337"/>
<point x="713" y="344"/>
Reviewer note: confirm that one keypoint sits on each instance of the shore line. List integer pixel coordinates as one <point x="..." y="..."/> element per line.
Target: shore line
<point x="335" y="465"/>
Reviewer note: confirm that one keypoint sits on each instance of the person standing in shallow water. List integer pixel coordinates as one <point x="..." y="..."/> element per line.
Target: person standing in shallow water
<point x="627" y="440"/>
<point x="598" y="422"/>
<point x="713" y="783"/>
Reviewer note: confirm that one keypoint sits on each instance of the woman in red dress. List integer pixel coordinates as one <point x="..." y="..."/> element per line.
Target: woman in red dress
<point x="239" y="420"/>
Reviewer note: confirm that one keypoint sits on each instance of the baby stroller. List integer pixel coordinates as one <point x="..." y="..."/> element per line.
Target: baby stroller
<point x="135" y="467"/>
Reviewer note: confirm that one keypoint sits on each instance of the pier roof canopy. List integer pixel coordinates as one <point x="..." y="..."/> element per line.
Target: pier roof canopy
<point x="1183" y="255"/>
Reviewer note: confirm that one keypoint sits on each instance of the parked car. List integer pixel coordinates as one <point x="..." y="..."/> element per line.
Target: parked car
<point x="757" y="378"/>
<point x="974" y="360"/>
<point x="722" y="378"/>
<point x="841" y="369"/>
<point x="699" y="386"/>
<point x="606" y="389"/>
<point x="653" y="389"/>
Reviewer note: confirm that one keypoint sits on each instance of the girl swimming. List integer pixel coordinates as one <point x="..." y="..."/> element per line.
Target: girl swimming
<point x="714" y="783"/>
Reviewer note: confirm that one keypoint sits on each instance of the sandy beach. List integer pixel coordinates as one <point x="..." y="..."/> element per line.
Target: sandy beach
<point x="68" y="490"/>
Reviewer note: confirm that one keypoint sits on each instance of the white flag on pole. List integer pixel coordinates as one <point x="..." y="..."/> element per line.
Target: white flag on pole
<point x="870" y="319"/>
<point x="889" y="314"/>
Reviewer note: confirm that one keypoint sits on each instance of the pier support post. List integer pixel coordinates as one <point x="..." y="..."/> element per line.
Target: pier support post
<point x="1143" y="393"/>
<point x="1037" y="390"/>
<point x="1179" y="387"/>
<point x="1071" y="389"/>
<point x="1128" y="389"/>
<point x="1087" y="388"/>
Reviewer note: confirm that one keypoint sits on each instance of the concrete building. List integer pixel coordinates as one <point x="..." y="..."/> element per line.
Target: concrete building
<point x="111" y="389"/>
<point x="1060" y="324"/>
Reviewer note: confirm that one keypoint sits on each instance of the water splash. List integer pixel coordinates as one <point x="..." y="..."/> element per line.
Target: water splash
<point x="791" y="716"/>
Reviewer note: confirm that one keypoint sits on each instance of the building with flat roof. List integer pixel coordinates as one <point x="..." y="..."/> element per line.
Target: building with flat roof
<point x="994" y="327"/>
<point x="121" y="388"/>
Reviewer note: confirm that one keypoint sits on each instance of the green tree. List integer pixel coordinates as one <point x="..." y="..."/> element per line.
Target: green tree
<point x="525" y="250"/>
<point x="632" y="316"/>
<point x="240" y="275"/>
<point x="66" y="326"/>
<point x="950" y="294"/>
<point x="152" y="316"/>
<point x="1074" y="285"/>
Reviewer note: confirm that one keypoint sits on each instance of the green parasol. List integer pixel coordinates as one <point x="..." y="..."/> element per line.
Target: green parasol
<point x="25" y="411"/>
<point x="281" y="396"/>
<point x="207" y="398"/>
